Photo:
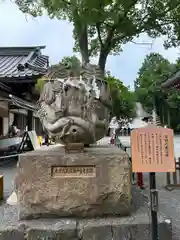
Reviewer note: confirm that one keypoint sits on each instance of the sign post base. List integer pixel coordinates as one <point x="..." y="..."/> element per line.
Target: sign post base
<point x="154" y="205"/>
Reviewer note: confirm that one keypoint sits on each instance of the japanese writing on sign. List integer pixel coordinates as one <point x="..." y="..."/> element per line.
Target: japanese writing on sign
<point x="73" y="171"/>
<point x="152" y="150"/>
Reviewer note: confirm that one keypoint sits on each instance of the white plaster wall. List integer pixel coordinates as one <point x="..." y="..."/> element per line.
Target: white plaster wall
<point x="7" y="122"/>
<point x="11" y="118"/>
<point x="23" y="111"/>
<point x="20" y="111"/>
<point x="3" y="104"/>
<point x="5" y="125"/>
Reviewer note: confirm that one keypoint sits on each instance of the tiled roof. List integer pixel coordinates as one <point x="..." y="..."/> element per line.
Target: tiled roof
<point x="22" y="62"/>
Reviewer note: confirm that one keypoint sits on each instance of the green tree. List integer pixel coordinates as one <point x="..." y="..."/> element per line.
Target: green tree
<point x="153" y="72"/>
<point x="123" y="100"/>
<point x="39" y="85"/>
<point x="102" y="27"/>
<point x="72" y="62"/>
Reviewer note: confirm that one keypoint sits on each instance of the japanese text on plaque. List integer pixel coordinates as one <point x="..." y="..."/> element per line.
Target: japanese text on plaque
<point x="152" y="150"/>
<point x="152" y="147"/>
<point x="73" y="171"/>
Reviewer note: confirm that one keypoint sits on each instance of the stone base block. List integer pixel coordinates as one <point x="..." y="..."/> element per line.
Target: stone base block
<point x="93" y="183"/>
<point x="97" y="229"/>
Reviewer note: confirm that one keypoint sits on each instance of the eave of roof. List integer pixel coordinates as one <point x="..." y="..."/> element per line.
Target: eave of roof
<point x="5" y="88"/>
<point x="22" y="63"/>
<point x="173" y="81"/>
<point x="23" y="50"/>
<point x="21" y="103"/>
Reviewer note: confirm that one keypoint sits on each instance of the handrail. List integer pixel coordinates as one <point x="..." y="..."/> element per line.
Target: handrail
<point x="9" y="156"/>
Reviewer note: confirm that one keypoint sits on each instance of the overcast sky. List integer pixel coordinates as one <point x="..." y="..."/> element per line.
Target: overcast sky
<point x="17" y="30"/>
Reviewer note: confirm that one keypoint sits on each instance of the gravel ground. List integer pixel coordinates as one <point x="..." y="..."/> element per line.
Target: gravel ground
<point x="8" y="214"/>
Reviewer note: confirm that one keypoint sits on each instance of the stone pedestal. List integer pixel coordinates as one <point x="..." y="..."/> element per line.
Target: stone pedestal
<point x="137" y="228"/>
<point x="53" y="183"/>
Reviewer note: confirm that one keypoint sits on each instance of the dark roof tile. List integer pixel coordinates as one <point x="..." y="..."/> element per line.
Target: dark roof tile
<point x="22" y="62"/>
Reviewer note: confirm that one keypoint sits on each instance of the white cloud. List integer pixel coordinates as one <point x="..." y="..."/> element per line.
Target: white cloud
<point x="16" y="30"/>
<point x="19" y="30"/>
<point x="127" y="64"/>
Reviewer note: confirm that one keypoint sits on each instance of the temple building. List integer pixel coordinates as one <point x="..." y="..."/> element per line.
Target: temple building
<point x="173" y="81"/>
<point x="20" y="67"/>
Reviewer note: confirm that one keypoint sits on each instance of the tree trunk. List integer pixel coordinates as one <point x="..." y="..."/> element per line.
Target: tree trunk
<point x="83" y="44"/>
<point x="105" y="50"/>
<point x="81" y="35"/>
<point x="102" y="59"/>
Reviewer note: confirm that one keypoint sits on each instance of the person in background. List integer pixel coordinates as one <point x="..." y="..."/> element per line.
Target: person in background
<point x="13" y="130"/>
<point x="112" y="141"/>
<point x="46" y="138"/>
<point x="40" y="140"/>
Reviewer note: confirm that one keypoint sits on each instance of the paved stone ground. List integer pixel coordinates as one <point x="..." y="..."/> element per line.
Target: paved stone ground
<point x="169" y="202"/>
<point x="8" y="170"/>
<point x="104" y="141"/>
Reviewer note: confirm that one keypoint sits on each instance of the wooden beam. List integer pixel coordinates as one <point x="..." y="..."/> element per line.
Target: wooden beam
<point x="1" y="187"/>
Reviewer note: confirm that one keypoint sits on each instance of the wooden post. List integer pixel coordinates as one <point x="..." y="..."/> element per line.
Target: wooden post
<point x="140" y="181"/>
<point x="178" y="167"/>
<point x="168" y="178"/>
<point x="169" y="118"/>
<point x="30" y="120"/>
<point x="174" y="178"/>
<point x="1" y="187"/>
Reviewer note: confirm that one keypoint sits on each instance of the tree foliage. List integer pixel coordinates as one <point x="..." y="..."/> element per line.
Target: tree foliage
<point x="123" y="100"/>
<point x="39" y="85"/>
<point x="72" y="62"/>
<point x="103" y="26"/>
<point x="153" y="72"/>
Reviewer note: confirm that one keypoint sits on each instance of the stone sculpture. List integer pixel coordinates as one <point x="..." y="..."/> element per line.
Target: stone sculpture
<point x="75" y="104"/>
<point x="73" y="181"/>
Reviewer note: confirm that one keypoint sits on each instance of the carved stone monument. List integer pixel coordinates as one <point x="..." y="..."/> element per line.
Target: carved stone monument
<point x="75" y="105"/>
<point x="74" y="181"/>
<point x="93" y="183"/>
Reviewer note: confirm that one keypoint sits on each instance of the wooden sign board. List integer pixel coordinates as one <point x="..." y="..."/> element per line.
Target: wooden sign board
<point x="152" y="150"/>
<point x="34" y="139"/>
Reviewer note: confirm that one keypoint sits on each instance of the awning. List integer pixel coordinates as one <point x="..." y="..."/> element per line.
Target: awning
<point x="21" y="103"/>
